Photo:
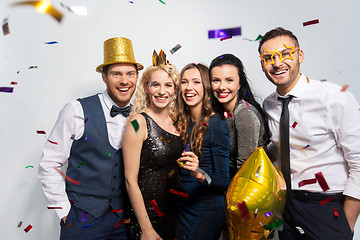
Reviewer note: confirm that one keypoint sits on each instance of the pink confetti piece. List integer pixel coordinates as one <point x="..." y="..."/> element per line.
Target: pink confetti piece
<point x="310" y="22"/>
<point x="181" y="194"/>
<point x="227" y="114"/>
<point x="66" y="177"/>
<point x="54" y="207"/>
<point x="294" y="125"/>
<point x="204" y="124"/>
<point x="156" y="208"/>
<point x="119" y="222"/>
<point x="336" y="213"/>
<point x="27" y="229"/>
<point x="344" y="87"/>
<point x="321" y="180"/>
<point x="325" y="201"/>
<point x="244" y="211"/>
<point x="246" y="104"/>
<point x="307" y="181"/>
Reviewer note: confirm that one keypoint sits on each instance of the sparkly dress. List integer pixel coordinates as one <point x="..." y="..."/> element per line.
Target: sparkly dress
<point x="157" y="175"/>
<point x="201" y="216"/>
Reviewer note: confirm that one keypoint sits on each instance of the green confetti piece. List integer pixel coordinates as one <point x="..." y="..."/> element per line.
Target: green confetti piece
<point x="82" y="163"/>
<point x="29" y="166"/>
<point x="177" y="120"/>
<point x="215" y="95"/>
<point x="162" y="2"/>
<point x="135" y="124"/>
<point x="274" y="225"/>
<point x="108" y="154"/>
<point x="257" y="39"/>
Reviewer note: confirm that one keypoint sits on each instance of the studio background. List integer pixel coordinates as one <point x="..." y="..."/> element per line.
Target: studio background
<point x="66" y="70"/>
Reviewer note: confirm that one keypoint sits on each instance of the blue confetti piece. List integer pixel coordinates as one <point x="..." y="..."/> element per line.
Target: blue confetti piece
<point x="224" y="33"/>
<point x="268" y="214"/>
<point x="87" y="139"/>
<point x="52" y="42"/>
<point x="306" y="146"/>
<point x="6" y="89"/>
<point x="86" y="226"/>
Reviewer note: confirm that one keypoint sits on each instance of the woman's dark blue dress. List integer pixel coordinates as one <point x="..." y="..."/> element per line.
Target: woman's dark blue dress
<point x="202" y="215"/>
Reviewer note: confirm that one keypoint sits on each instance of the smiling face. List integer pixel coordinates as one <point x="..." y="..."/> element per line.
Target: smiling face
<point x="225" y="83"/>
<point x="281" y="62"/>
<point x="192" y="88"/>
<point x="120" y="82"/>
<point x="160" y="89"/>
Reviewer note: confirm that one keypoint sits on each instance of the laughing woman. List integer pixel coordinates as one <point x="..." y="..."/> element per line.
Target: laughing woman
<point x="202" y="214"/>
<point x="151" y="145"/>
<point x="245" y="118"/>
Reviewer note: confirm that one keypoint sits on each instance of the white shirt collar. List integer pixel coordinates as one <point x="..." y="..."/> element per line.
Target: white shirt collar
<point x="108" y="101"/>
<point x="297" y="90"/>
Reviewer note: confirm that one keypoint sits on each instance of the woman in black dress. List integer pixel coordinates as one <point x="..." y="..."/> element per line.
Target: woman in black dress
<point x="151" y="145"/>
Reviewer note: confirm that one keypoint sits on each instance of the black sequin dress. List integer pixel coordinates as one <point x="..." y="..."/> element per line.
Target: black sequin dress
<point x="157" y="175"/>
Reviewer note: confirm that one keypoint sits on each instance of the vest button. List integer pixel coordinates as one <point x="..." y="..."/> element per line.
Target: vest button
<point x="114" y="176"/>
<point x="116" y="164"/>
<point x="113" y="189"/>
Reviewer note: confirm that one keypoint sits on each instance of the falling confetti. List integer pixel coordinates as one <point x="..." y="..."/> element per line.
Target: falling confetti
<point x="69" y="226"/>
<point x="6" y="89"/>
<point x="53" y="42"/>
<point x="181" y="194"/>
<point x="108" y="154"/>
<point x="162" y="2"/>
<point x="259" y="37"/>
<point x="76" y="10"/>
<point x="154" y="83"/>
<point x="343" y="89"/>
<point x="164" y="140"/>
<point x="87" y="139"/>
<point x="294" y="124"/>
<point x="72" y="136"/>
<point x="225" y="38"/>
<point x="19" y="224"/>
<point x="52" y="142"/>
<point x="54" y="207"/>
<point x="131" y="2"/>
<point x="84" y="217"/>
<point x="43" y="7"/>
<point x="156" y="208"/>
<point x="29" y="166"/>
<point x="135" y="124"/>
<point x="300" y="230"/>
<point x="67" y="178"/>
<point x="268" y="214"/>
<point x="306" y="146"/>
<point x="5" y="26"/>
<point x="224" y="33"/>
<point x="204" y="124"/>
<point x="174" y="49"/>
<point x="119" y="222"/>
<point x="115" y="210"/>
<point x="336" y="213"/>
<point x="307" y="181"/>
<point x="310" y="22"/>
<point x="31" y="67"/>
<point x="321" y="180"/>
<point x="207" y="177"/>
<point x="325" y="201"/>
<point x="41" y="132"/>
<point x="82" y="163"/>
<point x="27" y="229"/>
<point x="13" y="83"/>
<point x="86" y="226"/>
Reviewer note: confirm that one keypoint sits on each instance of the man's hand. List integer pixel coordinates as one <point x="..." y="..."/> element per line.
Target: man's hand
<point x="351" y="209"/>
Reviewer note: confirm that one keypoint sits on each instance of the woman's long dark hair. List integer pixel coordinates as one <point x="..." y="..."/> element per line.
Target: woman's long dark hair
<point x="244" y="91"/>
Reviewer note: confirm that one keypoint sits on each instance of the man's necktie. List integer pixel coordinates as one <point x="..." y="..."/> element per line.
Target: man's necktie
<point x="116" y="110"/>
<point x="285" y="145"/>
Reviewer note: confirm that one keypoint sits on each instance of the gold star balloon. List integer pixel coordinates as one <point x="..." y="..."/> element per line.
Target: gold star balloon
<point x="255" y="198"/>
<point x="43" y="7"/>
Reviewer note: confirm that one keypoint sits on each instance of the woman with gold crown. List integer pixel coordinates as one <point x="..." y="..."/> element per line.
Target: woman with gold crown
<point x="151" y="145"/>
<point x="201" y="214"/>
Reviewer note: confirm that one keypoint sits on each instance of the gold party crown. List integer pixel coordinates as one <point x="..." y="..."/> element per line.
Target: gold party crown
<point x="159" y="59"/>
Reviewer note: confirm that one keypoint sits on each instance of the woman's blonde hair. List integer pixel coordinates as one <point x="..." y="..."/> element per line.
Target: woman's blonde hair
<point x="184" y="121"/>
<point x="142" y="101"/>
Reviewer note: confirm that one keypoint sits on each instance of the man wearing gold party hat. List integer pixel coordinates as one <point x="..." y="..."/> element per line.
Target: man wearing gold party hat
<point x="87" y="136"/>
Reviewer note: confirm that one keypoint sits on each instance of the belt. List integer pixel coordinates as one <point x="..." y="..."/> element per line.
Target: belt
<point x="314" y="196"/>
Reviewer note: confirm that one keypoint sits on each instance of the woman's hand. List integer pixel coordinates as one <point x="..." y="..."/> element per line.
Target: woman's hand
<point x="150" y="235"/>
<point x="191" y="162"/>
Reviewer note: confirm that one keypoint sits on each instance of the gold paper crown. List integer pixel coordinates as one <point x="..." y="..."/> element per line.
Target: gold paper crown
<point x="118" y="50"/>
<point x="159" y="59"/>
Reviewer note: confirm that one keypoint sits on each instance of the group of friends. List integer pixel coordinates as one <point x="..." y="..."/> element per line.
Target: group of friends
<point x="159" y="168"/>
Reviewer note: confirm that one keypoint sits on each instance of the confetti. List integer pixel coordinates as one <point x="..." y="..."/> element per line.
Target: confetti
<point x="154" y="83"/>
<point x="255" y="213"/>
<point x="244" y="211"/>
<point x="222" y="39"/>
<point x="310" y="22"/>
<point x="181" y="194"/>
<point x="31" y="67"/>
<point x="268" y="214"/>
<point x="69" y="226"/>
<point x="204" y="124"/>
<point x="336" y="214"/>
<point x="307" y="181"/>
<point x="19" y="224"/>
<point x="86" y="226"/>
<point x="27" y="229"/>
<point x="52" y="142"/>
<point x="13" y="83"/>
<point x="321" y="180"/>
<point x="87" y="138"/>
<point x="274" y="225"/>
<point x="53" y="42"/>
<point x="325" y="201"/>
<point x="43" y="7"/>
<point x="6" y="89"/>
<point x="227" y="114"/>
<point x="135" y="125"/>
<point x="177" y="120"/>
<point x="67" y="178"/>
<point x="300" y="230"/>
<point x="115" y="210"/>
<point x="82" y="163"/>
<point x="224" y="33"/>
<point x="72" y="136"/>
<point x="259" y="37"/>
<point x="306" y="146"/>
<point x="180" y="163"/>
<point x="85" y="120"/>
<point x="323" y="80"/>
<point x="247" y="105"/>
<point x="119" y="222"/>
<point x="294" y="124"/>
<point x="162" y="2"/>
<point x="108" y="154"/>
<point x="5" y="26"/>
<point x="29" y="166"/>
<point x="41" y="132"/>
<point x="215" y="94"/>
<point x="54" y="207"/>
<point x="131" y="2"/>
<point x="343" y="89"/>
<point x="84" y="217"/>
<point x="174" y="49"/>
<point x="187" y="148"/>
<point x="164" y="140"/>
<point x="156" y="208"/>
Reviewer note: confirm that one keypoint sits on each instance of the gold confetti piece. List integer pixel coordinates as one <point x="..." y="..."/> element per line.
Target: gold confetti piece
<point x="43" y="7"/>
<point x="180" y="163"/>
<point x="19" y="225"/>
